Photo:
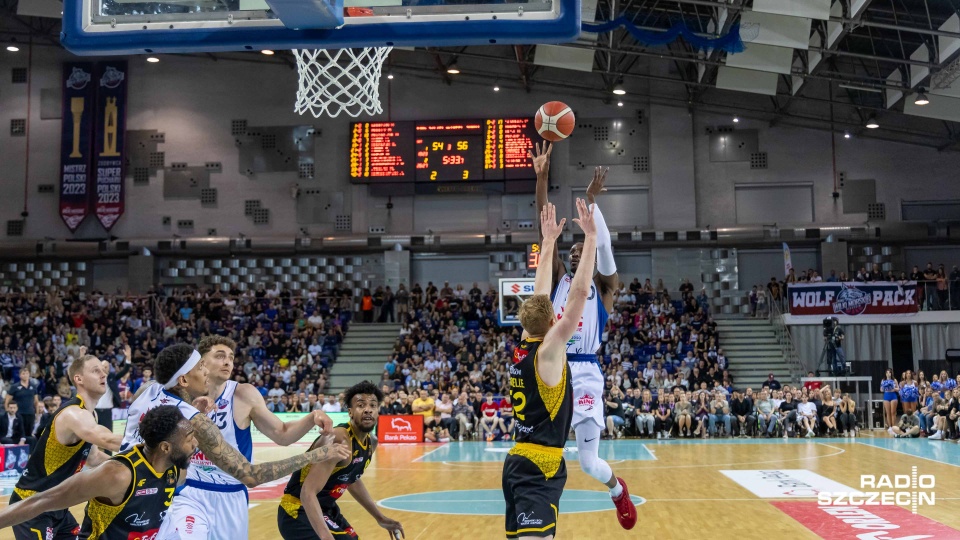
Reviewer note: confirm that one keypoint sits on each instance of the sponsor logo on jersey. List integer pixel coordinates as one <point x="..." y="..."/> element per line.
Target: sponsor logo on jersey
<point x="49" y="534"/>
<point x="190" y="520"/>
<point x="145" y="535"/>
<point x="587" y="401"/>
<point x="141" y="482"/>
<point x="137" y="520"/>
<point x="527" y="519"/>
<point x="338" y="491"/>
<point x="519" y="354"/>
<point x="222" y="403"/>
<point x="147" y="491"/>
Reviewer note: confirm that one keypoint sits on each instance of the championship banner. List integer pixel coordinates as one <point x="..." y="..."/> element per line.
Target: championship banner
<point x="76" y="142"/>
<point x="109" y="132"/>
<point x="828" y="299"/>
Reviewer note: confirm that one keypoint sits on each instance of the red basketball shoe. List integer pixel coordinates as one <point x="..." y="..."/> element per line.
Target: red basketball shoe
<point x="626" y="511"/>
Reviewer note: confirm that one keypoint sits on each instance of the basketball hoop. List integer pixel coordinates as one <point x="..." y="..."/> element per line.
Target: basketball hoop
<point x="340" y="80"/>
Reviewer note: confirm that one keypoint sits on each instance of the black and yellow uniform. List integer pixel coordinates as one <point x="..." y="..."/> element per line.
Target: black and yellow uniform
<point x="50" y="464"/>
<point x="138" y="517"/>
<point x="292" y="519"/>
<point x="534" y="472"/>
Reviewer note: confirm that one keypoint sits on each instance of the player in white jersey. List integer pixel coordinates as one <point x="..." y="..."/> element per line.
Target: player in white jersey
<point x="181" y="380"/>
<point x="585" y="371"/>
<point x="213" y="505"/>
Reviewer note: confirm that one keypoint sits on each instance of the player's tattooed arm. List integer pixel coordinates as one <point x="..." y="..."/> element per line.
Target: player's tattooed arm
<point x="228" y="458"/>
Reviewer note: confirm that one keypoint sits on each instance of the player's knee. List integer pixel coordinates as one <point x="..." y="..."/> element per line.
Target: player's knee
<point x="595" y="467"/>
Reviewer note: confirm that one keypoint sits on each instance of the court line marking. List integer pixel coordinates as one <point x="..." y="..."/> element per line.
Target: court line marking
<point x="839" y="451"/>
<point x="906" y="454"/>
<point x="444" y="445"/>
<point x="649" y="453"/>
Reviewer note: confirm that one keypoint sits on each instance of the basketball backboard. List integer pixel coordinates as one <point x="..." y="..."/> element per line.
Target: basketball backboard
<point x="98" y="27"/>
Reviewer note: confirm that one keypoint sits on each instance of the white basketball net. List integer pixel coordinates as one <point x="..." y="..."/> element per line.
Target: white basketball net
<point x="340" y="80"/>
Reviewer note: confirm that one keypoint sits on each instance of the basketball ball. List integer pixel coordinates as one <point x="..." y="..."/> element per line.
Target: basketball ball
<point x="554" y="121"/>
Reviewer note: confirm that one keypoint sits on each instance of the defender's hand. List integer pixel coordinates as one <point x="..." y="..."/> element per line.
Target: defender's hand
<point x="548" y="223"/>
<point x="585" y="221"/>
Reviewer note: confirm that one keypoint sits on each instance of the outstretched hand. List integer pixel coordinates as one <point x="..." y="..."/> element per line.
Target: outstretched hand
<point x="596" y="185"/>
<point x="540" y="155"/>
<point x="585" y="221"/>
<point x="548" y="223"/>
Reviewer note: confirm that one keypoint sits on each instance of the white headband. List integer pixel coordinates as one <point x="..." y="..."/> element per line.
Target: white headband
<point x="184" y="369"/>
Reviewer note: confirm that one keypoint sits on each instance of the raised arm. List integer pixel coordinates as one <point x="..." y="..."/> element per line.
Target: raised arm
<point x="607" y="278"/>
<point x="541" y="165"/>
<point x="550" y="230"/>
<point x="556" y="339"/>
<point x="111" y="481"/>
<point x="282" y="433"/>
<point x="228" y="458"/>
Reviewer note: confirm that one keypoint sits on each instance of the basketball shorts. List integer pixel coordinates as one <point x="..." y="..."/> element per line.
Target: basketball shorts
<point x="299" y="528"/>
<point x="533" y="500"/>
<point x="56" y="525"/>
<point x="202" y="514"/>
<point x="587" y="392"/>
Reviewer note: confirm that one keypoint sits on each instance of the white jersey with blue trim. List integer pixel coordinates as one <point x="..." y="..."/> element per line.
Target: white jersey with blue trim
<point x="202" y="470"/>
<point x="586" y="339"/>
<point x="154" y="396"/>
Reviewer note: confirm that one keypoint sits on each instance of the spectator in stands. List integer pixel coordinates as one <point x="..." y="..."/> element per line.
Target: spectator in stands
<point x="24" y="394"/>
<point x="332" y="405"/>
<point x="828" y="412"/>
<point x="742" y="410"/>
<point x="787" y="410"/>
<point x="664" y="415"/>
<point x="11" y="426"/>
<point x="489" y="410"/>
<point x="807" y="415"/>
<point x="719" y="410"/>
<point x="506" y="421"/>
<point x="645" y="418"/>
<point x="772" y="383"/>
<point x="446" y="421"/>
<point x="366" y="306"/>
<point x="701" y="414"/>
<point x="464" y="415"/>
<point x="684" y="415"/>
<point x="847" y="408"/>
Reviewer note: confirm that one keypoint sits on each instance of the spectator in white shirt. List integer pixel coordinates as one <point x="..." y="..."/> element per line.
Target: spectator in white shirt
<point x="331" y="405"/>
<point x="276" y="391"/>
<point x="807" y="415"/>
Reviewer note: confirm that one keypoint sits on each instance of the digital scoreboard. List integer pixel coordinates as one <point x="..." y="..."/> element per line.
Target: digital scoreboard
<point x="447" y="151"/>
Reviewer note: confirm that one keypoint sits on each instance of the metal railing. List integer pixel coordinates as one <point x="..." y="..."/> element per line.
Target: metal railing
<point x="785" y="339"/>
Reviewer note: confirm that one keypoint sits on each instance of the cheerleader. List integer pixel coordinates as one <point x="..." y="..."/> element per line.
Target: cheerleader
<point x="889" y="388"/>
<point x="909" y="395"/>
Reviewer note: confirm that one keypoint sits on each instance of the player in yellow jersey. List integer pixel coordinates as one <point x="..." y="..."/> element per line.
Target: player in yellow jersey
<point x="534" y="472"/>
<point x="129" y="494"/>
<point x="68" y="442"/>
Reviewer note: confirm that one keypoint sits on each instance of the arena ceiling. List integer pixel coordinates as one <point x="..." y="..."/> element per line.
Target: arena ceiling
<point x="864" y="59"/>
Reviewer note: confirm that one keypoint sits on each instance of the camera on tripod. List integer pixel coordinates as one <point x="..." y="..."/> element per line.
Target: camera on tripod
<point x="833" y="359"/>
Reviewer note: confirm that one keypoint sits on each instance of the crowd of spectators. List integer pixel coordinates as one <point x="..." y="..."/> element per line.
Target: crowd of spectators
<point x="284" y="342"/>
<point x="451" y="349"/>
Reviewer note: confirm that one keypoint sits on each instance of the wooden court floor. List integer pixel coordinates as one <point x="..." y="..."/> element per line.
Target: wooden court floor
<point x="452" y="491"/>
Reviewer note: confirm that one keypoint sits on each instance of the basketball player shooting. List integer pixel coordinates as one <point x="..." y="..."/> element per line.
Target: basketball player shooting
<point x="582" y="348"/>
<point x="535" y="472"/>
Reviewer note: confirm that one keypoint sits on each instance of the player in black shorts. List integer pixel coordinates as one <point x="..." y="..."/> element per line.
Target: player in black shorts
<point x="534" y="472"/>
<point x="309" y="507"/>
<point x="128" y="495"/>
<point x="70" y="440"/>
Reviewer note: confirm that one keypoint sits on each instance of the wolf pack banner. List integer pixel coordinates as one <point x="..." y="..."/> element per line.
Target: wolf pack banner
<point x="827" y="299"/>
<point x="110" y="127"/>
<point x="75" y="142"/>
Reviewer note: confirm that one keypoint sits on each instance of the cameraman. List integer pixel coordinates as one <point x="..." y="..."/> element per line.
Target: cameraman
<point x="839" y="358"/>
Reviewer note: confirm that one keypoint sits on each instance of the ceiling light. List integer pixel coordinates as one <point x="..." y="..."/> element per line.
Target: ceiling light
<point x="619" y="104"/>
<point x="872" y="123"/>
<point x="453" y="69"/>
<point x="153" y="59"/>
<point x="13" y="48"/>
<point x="390" y="75"/>
<point x="619" y="90"/>
<point x="922" y="98"/>
<point x="846" y="135"/>
<point x="267" y="52"/>
<point x="736" y="120"/>
<point x="496" y="87"/>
